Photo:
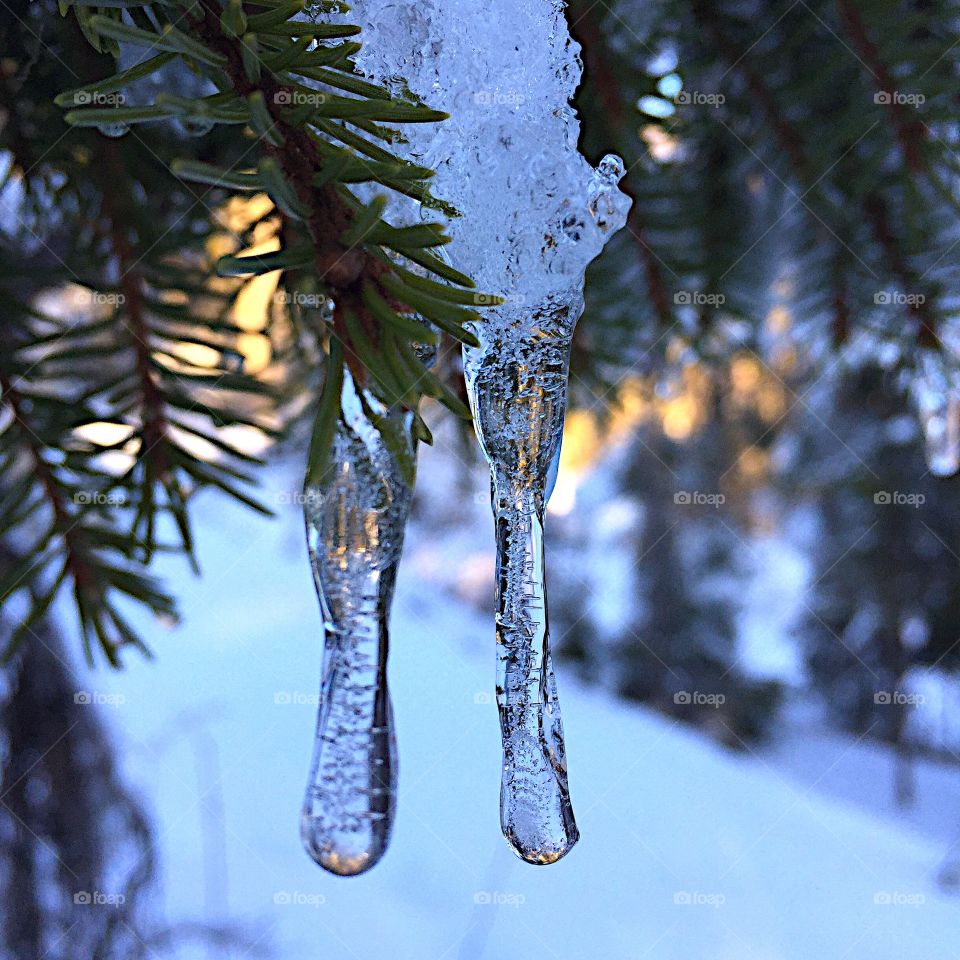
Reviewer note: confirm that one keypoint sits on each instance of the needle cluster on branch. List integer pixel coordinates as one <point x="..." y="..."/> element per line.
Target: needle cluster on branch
<point x="127" y="209"/>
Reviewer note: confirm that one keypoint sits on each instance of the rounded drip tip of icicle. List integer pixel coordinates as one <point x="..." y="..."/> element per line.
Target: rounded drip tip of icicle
<point x="336" y="854"/>
<point x="535" y="852"/>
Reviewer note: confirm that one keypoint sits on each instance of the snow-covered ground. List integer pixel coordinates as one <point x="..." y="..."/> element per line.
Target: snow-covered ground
<point x="860" y="774"/>
<point x="687" y="851"/>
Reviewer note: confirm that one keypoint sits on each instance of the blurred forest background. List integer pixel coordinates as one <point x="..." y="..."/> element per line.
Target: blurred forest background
<point x="765" y="390"/>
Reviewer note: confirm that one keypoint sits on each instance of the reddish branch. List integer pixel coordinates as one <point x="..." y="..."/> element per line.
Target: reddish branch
<point x="737" y="59"/>
<point x="791" y="142"/>
<point x="909" y="130"/>
<point x="841" y="310"/>
<point x="154" y="427"/>
<point x="112" y="175"/>
<point x="64" y="521"/>
<point x="343" y="269"/>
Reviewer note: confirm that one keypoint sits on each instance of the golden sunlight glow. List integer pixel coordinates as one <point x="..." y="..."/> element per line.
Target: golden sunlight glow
<point x="176" y="298"/>
<point x="632" y="407"/>
<point x="251" y="307"/>
<point x="581" y="440"/>
<point x="662" y="146"/>
<point x="752" y="463"/>
<point x="744" y="376"/>
<point x="784" y="288"/>
<point x="219" y="245"/>
<point x="256" y="350"/>
<point x="581" y="445"/>
<point x="103" y="434"/>
<point x="239" y="212"/>
<point x="778" y="319"/>
<point x="680" y="416"/>
<point x="586" y="436"/>
<point x="195" y="354"/>
<point x="771" y="402"/>
<point x="783" y="358"/>
<point x="117" y="435"/>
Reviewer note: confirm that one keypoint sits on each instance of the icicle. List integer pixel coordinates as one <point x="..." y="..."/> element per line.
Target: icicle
<point x="534" y="214"/>
<point x="517" y="382"/>
<point x="937" y="398"/>
<point x="518" y="398"/>
<point x="355" y="524"/>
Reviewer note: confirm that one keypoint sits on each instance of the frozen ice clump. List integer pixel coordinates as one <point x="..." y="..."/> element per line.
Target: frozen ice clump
<point x="507" y="158"/>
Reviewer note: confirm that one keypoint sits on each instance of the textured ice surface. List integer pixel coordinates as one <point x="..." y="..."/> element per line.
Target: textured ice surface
<point x="534" y="215"/>
<point x="355" y="525"/>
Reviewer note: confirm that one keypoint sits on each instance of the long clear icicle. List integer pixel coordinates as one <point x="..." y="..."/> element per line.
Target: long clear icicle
<point x="517" y="383"/>
<point x="355" y="524"/>
<point x="534" y="214"/>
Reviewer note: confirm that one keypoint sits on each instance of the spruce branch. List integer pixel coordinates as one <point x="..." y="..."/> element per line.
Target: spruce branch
<point x="284" y="79"/>
<point x="283" y="114"/>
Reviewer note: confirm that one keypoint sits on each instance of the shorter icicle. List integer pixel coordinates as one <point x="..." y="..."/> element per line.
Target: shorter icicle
<point x="937" y="398"/>
<point x="355" y="524"/>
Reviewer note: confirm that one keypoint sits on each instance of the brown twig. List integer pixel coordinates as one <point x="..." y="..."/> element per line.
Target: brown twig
<point x="64" y="521"/>
<point x="790" y="140"/>
<point x="909" y="131"/>
<point x="154" y="426"/>
<point x="344" y="269"/>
